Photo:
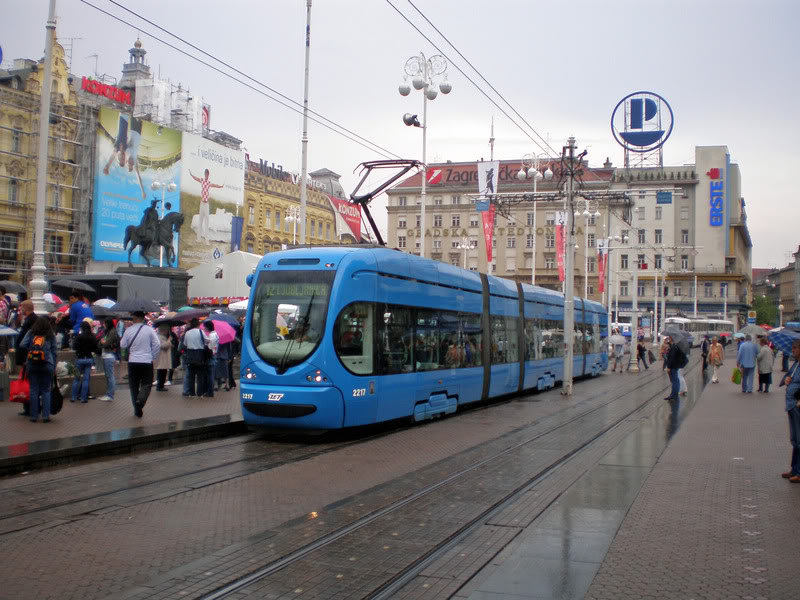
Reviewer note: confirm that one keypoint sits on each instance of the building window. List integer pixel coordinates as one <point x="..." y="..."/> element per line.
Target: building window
<point x="590" y="240"/>
<point x="659" y="237"/>
<point x="658" y="213"/>
<point x="473" y="221"/>
<point x="623" y="288"/>
<point x="268" y="218"/>
<point x="456" y="199"/>
<point x="590" y="264"/>
<point x="511" y="242"/>
<point x="319" y="229"/>
<point x="708" y="292"/>
<point x="494" y="242"/>
<point x="691" y="290"/>
<point x="311" y="229"/>
<point x="624" y="236"/>
<point x="55" y="196"/>
<point x="13" y="191"/>
<point x="640" y="289"/>
<point x="657" y="261"/>
<point x="549" y="262"/>
<point x="473" y="243"/>
<point x="677" y="291"/>
<point x="685" y="213"/>
<point x="251" y="220"/>
<point x="590" y="290"/>
<point x="278" y="220"/>
<point x="494" y="267"/>
<point x="55" y="245"/>
<point x="417" y="245"/>
<point x="402" y="201"/>
<point x="549" y="240"/>
<point x="286" y="225"/>
<point x="550" y="218"/>
<point x="418" y="221"/>
<point x="250" y="246"/>
<point x="437" y="244"/>
<point x="401" y="222"/>
<point x="684" y="236"/>
<point x="455" y="262"/>
<point x="454" y="245"/>
<point x="437" y="200"/>
<point x="456" y="221"/>
<point x="327" y="231"/>
<point x="16" y="141"/>
<point x="641" y="261"/>
<point x="623" y="261"/>
<point x="642" y="236"/>
<point x="592" y="219"/>
<point x="437" y="220"/>
<point x="401" y="241"/>
<point x="723" y="290"/>
<point x="530" y="219"/>
<point x="9" y="245"/>
<point x="641" y="213"/>
<point x="529" y="240"/>
<point x="685" y="262"/>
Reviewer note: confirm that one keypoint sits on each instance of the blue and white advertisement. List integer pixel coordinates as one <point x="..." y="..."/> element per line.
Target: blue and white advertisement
<point x="137" y="211"/>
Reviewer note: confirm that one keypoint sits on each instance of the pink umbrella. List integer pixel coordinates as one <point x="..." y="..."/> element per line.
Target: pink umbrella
<point x="52" y="298"/>
<point x="225" y="332"/>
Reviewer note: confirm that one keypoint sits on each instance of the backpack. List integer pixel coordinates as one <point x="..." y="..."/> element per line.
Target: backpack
<point x="37" y="354"/>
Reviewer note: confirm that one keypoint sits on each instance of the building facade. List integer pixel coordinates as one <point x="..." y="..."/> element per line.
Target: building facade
<point x="685" y="226"/>
<point x="779" y="286"/>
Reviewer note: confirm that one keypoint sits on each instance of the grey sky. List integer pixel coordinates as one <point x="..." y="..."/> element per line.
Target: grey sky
<point x="728" y="68"/>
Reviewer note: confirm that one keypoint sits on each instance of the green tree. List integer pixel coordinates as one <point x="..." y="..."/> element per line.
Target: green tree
<point x="766" y="311"/>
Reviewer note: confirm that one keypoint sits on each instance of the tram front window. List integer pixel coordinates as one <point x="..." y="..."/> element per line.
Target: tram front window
<point x="289" y="314"/>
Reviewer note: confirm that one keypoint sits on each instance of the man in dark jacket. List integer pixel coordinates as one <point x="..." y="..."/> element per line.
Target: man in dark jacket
<point x="28" y="317"/>
<point x="675" y="360"/>
<point x="704" y="352"/>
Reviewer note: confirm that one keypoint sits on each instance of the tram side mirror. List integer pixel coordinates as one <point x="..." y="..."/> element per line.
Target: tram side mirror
<point x="249" y="280"/>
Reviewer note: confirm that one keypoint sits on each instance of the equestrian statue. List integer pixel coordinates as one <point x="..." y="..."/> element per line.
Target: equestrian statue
<point x="153" y="233"/>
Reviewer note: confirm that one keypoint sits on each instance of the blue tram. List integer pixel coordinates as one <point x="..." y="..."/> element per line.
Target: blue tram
<point x="352" y="335"/>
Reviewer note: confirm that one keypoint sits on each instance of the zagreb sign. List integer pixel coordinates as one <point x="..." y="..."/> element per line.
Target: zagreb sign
<point x="642" y="122"/>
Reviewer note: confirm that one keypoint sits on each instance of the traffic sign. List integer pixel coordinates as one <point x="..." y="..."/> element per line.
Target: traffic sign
<point x="482" y="205"/>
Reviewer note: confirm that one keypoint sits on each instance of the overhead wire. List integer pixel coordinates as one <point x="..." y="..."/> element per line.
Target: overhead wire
<point x="354" y="137"/>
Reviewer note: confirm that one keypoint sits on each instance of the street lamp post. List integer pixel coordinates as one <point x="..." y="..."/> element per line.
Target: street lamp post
<point x="780" y="312"/>
<point x="464" y="245"/>
<point x="591" y="208"/>
<point x="164" y="187"/>
<point x="293" y="217"/>
<point x="530" y="170"/>
<point x="424" y="72"/>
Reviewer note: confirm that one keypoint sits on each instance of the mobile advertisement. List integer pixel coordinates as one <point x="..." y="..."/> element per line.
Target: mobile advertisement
<point x="132" y="220"/>
<point x="212" y="194"/>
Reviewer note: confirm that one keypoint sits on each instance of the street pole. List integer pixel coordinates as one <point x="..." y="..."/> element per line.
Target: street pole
<point x="664" y="301"/>
<point x="725" y="304"/>
<point x="696" y="291"/>
<point x="38" y="284"/>
<point x="304" y="142"/>
<point x="160" y="247"/>
<point x="586" y="257"/>
<point x="656" y="293"/>
<point x="533" y="261"/>
<point x="424" y="152"/>
<point x="633" y="364"/>
<point x="569" y="279"/>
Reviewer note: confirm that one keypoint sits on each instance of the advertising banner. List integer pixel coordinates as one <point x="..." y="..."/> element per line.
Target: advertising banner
<point x="349" y="214"/>
<point x="212" y="193"/>
<point x="132" y="221"/>
<point x="561" y="239"/>
<point x="237" y="226"/>
<point x="488" y="230"/>
<point x="488" y="172"/>
<point x="602" y="261"/>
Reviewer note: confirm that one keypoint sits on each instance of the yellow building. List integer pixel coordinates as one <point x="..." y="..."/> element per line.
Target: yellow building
<point x="19" y="125"/>
<point x="269" y="200"/>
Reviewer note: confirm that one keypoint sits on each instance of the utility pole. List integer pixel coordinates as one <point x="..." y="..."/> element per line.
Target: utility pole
<point x="569" y="269"/>
<point x="304" y="140"/>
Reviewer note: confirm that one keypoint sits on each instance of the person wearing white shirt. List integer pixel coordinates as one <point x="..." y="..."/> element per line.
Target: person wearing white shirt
<point x="143" y="347"/>
<point x="211" y="366"/>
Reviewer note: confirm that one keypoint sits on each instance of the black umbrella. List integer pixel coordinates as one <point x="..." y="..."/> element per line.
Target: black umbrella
<point x="679" y="338"/>
<point x="74" y="285"/>
<point x="227" y="318"/>
<point x="193" y="313"/>
<point x="132" y="305"/>
<point x="13" y="287"/>
<point x="172" y="322"/>
<point x="102" y="312"/>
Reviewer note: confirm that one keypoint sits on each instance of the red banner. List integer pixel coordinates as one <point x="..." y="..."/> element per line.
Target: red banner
<point x="351" y="213"/>
<point x="602" y="262"/>
<point x="561" y="225"/>
<point x="488" y="231"/>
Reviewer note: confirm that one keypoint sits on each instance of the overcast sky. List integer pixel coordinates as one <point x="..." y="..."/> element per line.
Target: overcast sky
<point x="729" y="69"/>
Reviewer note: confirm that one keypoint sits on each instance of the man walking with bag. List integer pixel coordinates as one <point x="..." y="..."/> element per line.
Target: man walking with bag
<point x="143" y="347"/>
<point x="746" y="360"/>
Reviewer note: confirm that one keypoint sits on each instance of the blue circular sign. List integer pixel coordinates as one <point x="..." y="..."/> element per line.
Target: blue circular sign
<point x="644" y="123"/>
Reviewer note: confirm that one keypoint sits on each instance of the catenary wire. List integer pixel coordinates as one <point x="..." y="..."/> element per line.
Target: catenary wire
<point x="381" y="151"/>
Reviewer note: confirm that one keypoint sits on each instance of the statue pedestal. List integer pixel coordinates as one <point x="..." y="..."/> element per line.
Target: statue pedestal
<point x="178" y="281"/>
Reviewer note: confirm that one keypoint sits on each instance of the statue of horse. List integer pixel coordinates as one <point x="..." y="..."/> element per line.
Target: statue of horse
<point x="136" y="235"/>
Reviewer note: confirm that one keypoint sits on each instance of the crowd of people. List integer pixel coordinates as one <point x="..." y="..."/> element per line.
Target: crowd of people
<point x="151" y="349"/>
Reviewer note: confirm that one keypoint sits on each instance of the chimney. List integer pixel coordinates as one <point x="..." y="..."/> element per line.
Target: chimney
<point x="607" y="164"/>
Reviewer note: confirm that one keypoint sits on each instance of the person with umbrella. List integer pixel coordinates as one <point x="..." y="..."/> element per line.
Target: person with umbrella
<point x="618" y="350"/>
<point x="746" y="361"/>
<point x="211" y="365"/>
<point x="716" y="354"/>
<point x="143" y="348"/>
<point x="792" y="383"/>
<point x="28" y="318"/>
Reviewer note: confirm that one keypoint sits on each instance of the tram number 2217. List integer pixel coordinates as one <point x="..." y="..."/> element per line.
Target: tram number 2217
<point x="359" y="392"/>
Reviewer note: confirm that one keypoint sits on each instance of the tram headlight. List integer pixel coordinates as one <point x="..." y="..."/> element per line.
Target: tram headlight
<point x="249" y="374"/>
<point x="316" y="376"/>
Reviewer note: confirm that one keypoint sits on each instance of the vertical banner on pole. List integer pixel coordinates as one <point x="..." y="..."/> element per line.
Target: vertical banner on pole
<point x="488" y="174"/>
<point x="237" y="225"/>
<point x="561" y="238"/>
<point x="488" y="230"/>
<point x="602" y="259"/>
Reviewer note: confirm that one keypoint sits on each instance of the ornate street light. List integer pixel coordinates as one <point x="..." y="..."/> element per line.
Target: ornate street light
<point x="293" y="217"/>
<point x="531" y="163"/>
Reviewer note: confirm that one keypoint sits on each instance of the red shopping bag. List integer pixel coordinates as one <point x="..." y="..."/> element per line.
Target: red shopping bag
<point x="19" y="390"/>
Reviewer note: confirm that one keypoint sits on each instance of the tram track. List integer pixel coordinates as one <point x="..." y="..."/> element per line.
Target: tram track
<point x="394" y="583"/>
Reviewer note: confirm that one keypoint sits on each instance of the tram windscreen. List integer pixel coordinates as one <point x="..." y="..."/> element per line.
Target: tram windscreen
<point x="289" y="312"/>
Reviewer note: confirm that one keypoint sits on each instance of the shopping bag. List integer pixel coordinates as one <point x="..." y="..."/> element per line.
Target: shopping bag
<point x="736" y="376"/>
<point x="56" y="398"/>
<point x="19" y="390"/>
<point x="651" y="356"/>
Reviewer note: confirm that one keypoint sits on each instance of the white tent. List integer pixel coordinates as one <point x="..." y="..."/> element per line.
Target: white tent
<point x="224" y="277"/>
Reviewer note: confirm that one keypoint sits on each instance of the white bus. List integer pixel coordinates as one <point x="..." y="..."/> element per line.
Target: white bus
<point x="699" y="328"/>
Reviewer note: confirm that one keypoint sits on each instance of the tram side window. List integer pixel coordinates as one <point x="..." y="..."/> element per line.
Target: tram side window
<point x="512" y="343"/>
<point x="352" y="337"/>
<point x="472" y="339"/>
<point x="394" y="336"/>
<point x="533" y="340"/>
<point x="504" y="339"/>
<point x="553" y="338"/>
<point x="450" y="346"/>
<point x="426" y="341"/>
<point x="578" y="339"/>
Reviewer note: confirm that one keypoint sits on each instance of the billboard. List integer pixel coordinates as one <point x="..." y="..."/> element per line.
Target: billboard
<point x="132" y="221"/>
<point x="212" y="193"/>
<point x="348" y="217"/>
